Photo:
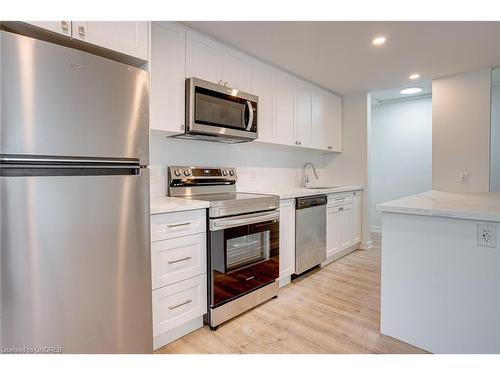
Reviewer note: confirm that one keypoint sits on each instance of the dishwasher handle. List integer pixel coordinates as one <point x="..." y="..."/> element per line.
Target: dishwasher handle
<point x="311" y="201"/>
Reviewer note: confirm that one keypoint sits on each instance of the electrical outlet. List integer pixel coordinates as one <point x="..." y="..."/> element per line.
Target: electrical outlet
<point x="463" y="178"/>
<point x="487" y="235"/>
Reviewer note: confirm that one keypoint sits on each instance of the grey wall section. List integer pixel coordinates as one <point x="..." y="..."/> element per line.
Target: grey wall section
<point x="352" y="165"/>
<point x="461" y="131"/>
<point x="495" y="138"/>
<point x="401" y="152"/>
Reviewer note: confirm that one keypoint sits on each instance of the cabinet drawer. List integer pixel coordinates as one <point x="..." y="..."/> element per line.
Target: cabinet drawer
<point x="177" y="224"/>
<point x="178" y="259"/>
<point x="179" y="303"/>
<point x="339" y="199"/>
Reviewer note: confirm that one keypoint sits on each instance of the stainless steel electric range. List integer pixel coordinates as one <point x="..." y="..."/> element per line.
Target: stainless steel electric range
<point x="243" y="240"/>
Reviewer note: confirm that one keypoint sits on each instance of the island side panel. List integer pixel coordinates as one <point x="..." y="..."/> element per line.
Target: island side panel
<point x="440" y="291"/>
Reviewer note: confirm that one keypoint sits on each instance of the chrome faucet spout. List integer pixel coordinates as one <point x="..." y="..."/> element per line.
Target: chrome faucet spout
<point x="305" y="176"/>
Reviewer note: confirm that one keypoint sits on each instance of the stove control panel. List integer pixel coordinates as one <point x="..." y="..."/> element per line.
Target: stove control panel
<point x="193" y="176"/>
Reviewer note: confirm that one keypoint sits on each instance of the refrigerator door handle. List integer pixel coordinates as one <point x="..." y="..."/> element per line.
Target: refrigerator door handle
<point x="56" y="160"/>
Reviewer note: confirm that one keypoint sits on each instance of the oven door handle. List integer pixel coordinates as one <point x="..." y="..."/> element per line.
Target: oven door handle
<point x="250" y="115"/>
<point x="228" y="222"/>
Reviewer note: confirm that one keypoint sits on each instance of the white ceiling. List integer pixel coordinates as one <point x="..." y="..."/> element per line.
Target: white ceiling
<point x="380" y="97"/>
<point x="339" y="55"/>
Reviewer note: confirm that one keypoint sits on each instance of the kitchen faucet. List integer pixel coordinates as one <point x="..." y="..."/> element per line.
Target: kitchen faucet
<point x="305" y="176"/>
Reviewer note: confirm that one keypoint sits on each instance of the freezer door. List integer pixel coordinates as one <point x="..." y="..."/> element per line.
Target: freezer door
<point x="75" y="263"/>
<point x="60" y="101"/>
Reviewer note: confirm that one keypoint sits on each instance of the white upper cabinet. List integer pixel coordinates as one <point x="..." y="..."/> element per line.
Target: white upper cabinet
<point x="291" y="111"/>
<point x="284" y="108"/>
<point x="60" y="27"/>
<point x="203" y="57"/>
<point x="303" y="113"/>
<point x="327" y="120"/>
<point x="236" y="70"/>
<point x="263" y="87"/>
<point x="167" y="68"/>
<point x="127" y="37"/>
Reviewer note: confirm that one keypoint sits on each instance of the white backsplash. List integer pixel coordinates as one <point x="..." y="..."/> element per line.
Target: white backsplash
<point x="259" y="166"/>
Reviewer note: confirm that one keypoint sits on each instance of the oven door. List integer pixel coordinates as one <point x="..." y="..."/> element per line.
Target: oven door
<point x="220" y="111"/>
<point x="244" y="255"/>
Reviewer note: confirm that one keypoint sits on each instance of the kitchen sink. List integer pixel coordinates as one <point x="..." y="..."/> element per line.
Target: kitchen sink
<point x="322" y="187"/>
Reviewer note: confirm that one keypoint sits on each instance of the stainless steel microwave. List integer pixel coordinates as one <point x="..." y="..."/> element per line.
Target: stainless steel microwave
<point x="219" y="113"/>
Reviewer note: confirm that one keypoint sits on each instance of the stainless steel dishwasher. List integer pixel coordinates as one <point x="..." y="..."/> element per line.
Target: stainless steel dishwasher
<point x="310" y="232"/>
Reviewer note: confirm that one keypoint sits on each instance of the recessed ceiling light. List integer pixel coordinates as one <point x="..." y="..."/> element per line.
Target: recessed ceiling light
<point x="379" y="40"/>
<point x="414" y="76"/>
<point x="411" y="90"/>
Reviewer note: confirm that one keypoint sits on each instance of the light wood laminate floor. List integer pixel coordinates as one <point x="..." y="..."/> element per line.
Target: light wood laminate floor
<point x="335" y="309"/>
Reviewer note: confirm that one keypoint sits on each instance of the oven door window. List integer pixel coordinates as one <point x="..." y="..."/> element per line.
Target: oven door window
<point x="223" y="110"/>
<point x="242" y="246"/>
<point x="247" y="249"/>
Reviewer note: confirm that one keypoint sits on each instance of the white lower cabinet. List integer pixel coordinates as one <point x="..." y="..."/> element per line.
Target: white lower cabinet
<point x="177" y="224"/>
<point x="178" y="259"/>
<point x="179" y="279"/>
<point x="356" y="217"/>
<point x="177" y="304"/>
<point x="287" y="240"/>
<point x="343" y="223"/>
<point x="332" y="231"/>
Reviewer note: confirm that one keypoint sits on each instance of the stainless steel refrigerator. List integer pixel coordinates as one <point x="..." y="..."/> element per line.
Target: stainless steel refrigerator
<point x="74" y="201"/>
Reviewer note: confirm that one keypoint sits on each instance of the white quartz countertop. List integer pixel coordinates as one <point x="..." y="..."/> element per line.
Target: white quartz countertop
<point x="288" y="193"/>
<point x="161" y="205"/>
<point x="473" y="206"/>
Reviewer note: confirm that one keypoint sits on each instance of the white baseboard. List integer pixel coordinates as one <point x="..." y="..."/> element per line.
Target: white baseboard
<point x="376" y="229"/>
<point x="283" y="281"/>
<point x="340" y="254"/>
<point x="177" y="332"/>
<point x="366" y="245"/>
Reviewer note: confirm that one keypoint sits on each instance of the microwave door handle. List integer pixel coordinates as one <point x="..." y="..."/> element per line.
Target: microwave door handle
<point x="250" y="115"/>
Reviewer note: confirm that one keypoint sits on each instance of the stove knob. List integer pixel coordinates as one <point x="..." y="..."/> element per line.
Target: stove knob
<point x="224" y="172"/>
<point x="231" y="172"/>
<point x="177" y="172"/>
<point x="187" y="172"/>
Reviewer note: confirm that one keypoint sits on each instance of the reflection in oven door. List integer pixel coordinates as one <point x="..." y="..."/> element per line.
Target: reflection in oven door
<point x="243" y="258"/>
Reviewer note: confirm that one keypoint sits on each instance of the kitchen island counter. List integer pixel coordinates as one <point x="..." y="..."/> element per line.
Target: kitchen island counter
<point x="440" y="276"/>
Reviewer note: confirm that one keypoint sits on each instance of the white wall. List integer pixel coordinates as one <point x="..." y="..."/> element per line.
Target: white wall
<point x="461" y="131"/>
<point x="259" y="166"/>
<point x="495" y="139"/>
<point x="401" y="152"/>
<point x="352" y="165"/>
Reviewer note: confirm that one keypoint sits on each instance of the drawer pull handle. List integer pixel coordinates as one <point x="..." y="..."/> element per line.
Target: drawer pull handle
<point x="178" y="260"/>
<point x="178" y="225"/>
<point x="250" y="278"/>
<point x="81" y="31"/>
<point x="180" y="304"/>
